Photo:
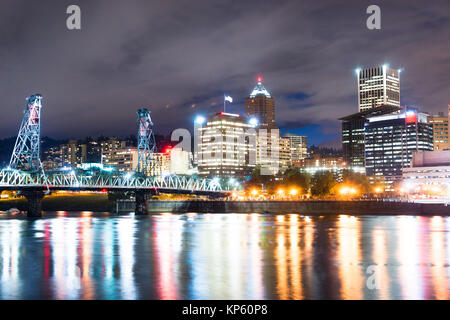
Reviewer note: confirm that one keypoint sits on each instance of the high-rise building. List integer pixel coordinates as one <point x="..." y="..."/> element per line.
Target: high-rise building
<point x="285" y="154"/>
<point x="299" y="147"/>
<point x="123" y="159"/>
<point x="160" y="164"/>
<point x="226" y="145"/>
<point x="390" y="141"/>
<point x="73" y="153"/>
<point x="261" y="105"/>
<point x="111" y="145"/>
<point x="440" y="131"/>
<point x="268" y="151"/>
<point x="353" y="134"/>
<point x="378" y="86"/>
<point x="180" y="161"/>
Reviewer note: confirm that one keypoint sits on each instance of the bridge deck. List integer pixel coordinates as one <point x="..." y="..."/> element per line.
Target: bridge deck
<point x="71" y="180"/>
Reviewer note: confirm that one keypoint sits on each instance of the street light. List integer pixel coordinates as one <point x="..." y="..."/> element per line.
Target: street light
<point x="280" y="192"/>
<point x="199" y="120"/>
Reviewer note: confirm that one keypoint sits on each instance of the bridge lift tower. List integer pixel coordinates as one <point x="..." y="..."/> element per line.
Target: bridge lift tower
<point x="146" y="142"/>
<point x="25" y="155"/>
<point x="146" y="148"/>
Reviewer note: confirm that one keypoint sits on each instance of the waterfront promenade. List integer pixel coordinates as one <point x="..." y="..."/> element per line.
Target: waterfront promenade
<point x="307" y="207"/>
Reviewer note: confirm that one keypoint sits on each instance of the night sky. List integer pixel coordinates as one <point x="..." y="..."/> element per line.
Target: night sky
<point x="179" y="57"/>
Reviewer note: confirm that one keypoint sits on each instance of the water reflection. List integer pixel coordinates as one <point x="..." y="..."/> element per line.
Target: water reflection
<point x="349" y="257"/>
<point x="224" y="256"/>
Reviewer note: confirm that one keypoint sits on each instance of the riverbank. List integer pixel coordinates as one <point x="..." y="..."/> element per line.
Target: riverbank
<point x="90" y="202"/>
<point x="101" y="203"/>
<point x="310" y="207"/>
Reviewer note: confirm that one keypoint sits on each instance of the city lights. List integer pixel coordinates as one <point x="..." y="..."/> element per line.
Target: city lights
<point x="347" y="190"/>
<point x="199" y="120"/>
<point x="253" y="121"/>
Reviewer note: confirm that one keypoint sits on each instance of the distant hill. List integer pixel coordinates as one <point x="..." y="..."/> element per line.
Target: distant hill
<point x="7" y="146"/>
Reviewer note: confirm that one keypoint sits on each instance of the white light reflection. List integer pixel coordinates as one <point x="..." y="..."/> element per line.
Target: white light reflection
<point x="10" y="248"/>
<point x="126" y="230"/>
<point x="408" y="257"/>
<point x="66" y="278"/>
<point x="168" y="229"/>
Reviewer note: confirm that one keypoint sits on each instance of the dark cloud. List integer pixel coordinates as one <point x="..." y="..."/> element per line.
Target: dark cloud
<point x="183" y="53"/>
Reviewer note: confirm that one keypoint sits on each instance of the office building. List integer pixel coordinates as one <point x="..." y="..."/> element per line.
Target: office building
<point x="440" y="131"/>
<point x="180" y="161"/>
<point x="122" y="159"/>
<point x="226" y="145"/>
<point x="429" y="173"/>
<point x="268" y="151"/>
<point x="299" y="147"/>
<point x="390" y="141"/>
<point x="261" y="105"/>
<point x="160" y="164"/>
<point x="73" y="153"/>
<point x="285" y="154"/>
<point x="353" y="134"/>
<point x="378" y="86"/>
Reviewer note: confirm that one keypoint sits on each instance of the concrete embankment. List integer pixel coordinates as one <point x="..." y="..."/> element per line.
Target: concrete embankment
<point x="302" y="207"/>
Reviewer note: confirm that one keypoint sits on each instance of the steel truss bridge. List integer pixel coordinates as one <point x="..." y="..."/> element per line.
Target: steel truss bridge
<point x="26" y="174"/>
<point x="61" y="180"/>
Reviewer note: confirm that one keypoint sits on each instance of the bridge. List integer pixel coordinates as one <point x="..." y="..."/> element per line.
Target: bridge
<point x="26" y="174"/>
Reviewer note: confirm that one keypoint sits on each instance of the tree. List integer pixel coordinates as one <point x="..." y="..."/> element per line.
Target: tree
<point x="356" y="179"/>
<point x="293" y="177"/>
<point x="322" y="182"/>
<point x="257" y="180"/>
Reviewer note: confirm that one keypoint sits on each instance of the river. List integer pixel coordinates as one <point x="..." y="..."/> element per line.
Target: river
<point x="85" y="255"/>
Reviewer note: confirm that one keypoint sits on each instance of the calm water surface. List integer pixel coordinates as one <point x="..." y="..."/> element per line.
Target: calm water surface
<point x="224" y="256"/>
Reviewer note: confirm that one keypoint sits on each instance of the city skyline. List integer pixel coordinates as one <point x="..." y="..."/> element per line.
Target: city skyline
<point x="95" y="78"/>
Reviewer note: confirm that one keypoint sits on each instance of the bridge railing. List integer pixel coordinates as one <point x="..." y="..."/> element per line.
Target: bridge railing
<point x="72" y="179"/>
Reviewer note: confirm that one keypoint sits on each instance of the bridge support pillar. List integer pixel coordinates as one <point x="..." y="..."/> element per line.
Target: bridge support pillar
<point x="34" y="199"/>
<point x="142" y="197"/>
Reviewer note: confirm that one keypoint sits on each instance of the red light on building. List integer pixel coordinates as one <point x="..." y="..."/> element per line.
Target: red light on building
<point x="167" y="150"/>
<point x="411" y="117"/>
<point x="259" y="79"/>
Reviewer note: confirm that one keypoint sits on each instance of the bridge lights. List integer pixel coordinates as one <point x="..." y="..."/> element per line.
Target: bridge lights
<point x="128" y="175"/>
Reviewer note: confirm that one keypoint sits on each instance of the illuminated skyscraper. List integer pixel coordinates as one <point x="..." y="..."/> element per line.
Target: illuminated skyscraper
<point x="378" y="86"/>
<point x="261" y="104"/>
<point x="390" y="141"/>
<point x="226" y="144"/>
